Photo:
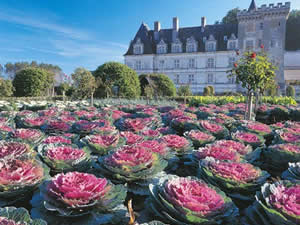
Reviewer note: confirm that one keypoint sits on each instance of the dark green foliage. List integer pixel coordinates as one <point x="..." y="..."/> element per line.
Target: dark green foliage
<point x="231" y="17"/>
<point x="293" y="31"/>
<point x="184" y="91"/>
<point x="211" y="90"/>
<point x="290" y="91"/>
<point x="63" y="87"/>
<point x="114" y="75"/>
<point x="161" y="83"/>
<point x="84" y="83"/>
<point x="206" y="91"/>
<point x="6" y="88"/>
<point x="31" y="82"/>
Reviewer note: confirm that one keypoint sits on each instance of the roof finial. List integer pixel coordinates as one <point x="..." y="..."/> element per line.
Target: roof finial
<point x="252" y="6"/>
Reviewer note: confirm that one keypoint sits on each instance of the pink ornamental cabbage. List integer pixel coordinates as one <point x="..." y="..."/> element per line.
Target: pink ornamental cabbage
<point x="57" y="140"/>
<point x="292" y="148"/>
<point x="234" y="145"/>
<point x="289" y="137"/>
<point x="16" y="172"/>
<point x="77" y="189"/>
<point x="65" y="153"/>
<point x="26" y="134"/>
<point x="154" y="146"/>
<point x="240" y="172"/>
<point x="6" y="221"/>
<point x="131" y="138"/>
<point x="259" y="127"/>
<point x="151" y="134"/>
<point x="217" y="152"/>
<point x="13" y="149"/>
<point x="194" y="195"/>
<point x="286" y="200"/>
<point x="58" y="126"/>
<point x="177" y="143"/>
<point x="5" y="128"/>
<point x="136" y="125"/>
<point x="211" y="127"/>
<point x="35" y="122"/>
<point x="130" y="156"/>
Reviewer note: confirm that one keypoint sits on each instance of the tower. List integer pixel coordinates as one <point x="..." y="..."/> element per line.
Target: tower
<point x="265" y="25"/>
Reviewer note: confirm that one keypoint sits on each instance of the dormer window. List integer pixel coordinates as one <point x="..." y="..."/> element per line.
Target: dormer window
<point x="232" y="42"/>
<point x="177" y="46"/>
<point x="191" y="45"/>
<point x="161" y="47"/>
<point x="210" y="44"/>
<point x="138" y="47"/>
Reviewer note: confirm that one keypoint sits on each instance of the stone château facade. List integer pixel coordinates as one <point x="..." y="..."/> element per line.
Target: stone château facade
<point x="201" y="56"/>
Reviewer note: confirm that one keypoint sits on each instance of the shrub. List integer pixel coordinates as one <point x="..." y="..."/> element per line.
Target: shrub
<point x="6" y="88"/>
<point x="290" y="91"/>
<point x="184" y="91"/>
<point x="113" y="74"/>
<point x="211" y="90"/>
<point x="206" y="91"/>
<point x="162" y="84"/>
<point x="31" y="82"/>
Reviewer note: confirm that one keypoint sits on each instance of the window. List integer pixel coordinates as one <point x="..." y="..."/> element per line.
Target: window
<point x="250" y="27"/>
<point x="191" y="79"/>
<point x="231" y="61"/>
<point x="210" y="78"/>
<point x="261" y="26"/>
<point x="138" y="65"/>
<point x="176" y="48"/>
<point x="191" y="48"/>
<point x="232" y="45"/>
<point x="210" y="63"/>
<point x="273" y="43"/>
<point x="161" y="49"/>
<point x="176" y="80"/>
<point x="249" y="44"/>
<point x="161" y="64"/>
<point x="259" y="43"/>
<point x="225" y="38"/>
<point x="211" y="47"/>
<point x="191" y="63"/>
<point x="137" y="50"/>
<point x="176" y="63"/>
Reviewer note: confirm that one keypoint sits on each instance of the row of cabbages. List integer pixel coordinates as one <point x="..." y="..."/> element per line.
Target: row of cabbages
<point x="200" y="165"/>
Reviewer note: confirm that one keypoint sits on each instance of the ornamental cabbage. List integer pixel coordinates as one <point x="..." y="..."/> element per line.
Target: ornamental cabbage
<point x="275" y="204"/>
<point x="102" y="144"/>
<point x="293" y="172"/>
<point x="199" y="138"/>
<point x="64" y="158"/>
<point x="188" y="200"/>
<point x="131" y="138"/>
<point x="178" y="144"/>
<point x="30" y="136"/>
<point x="14" y="150"/>
<point x="79" y="198"/>
<point x="135" y="165"/>
<point x="56" y="127"/>
<point x="249" y="138"/>
<point x="238" y="180"/>
<point x="17" y="216"/>
<point x="218" y="130"/>
<point x="18" y="177"/>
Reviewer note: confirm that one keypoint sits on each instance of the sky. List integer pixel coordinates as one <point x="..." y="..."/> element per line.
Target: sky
<point x="88" y="33"/>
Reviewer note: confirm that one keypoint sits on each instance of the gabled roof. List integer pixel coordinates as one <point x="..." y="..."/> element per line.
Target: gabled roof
<point x="218" y="31"/>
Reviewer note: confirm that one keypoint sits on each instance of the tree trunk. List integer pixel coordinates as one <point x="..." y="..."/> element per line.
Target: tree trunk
<point x="64" y="96"/>
<point x="92" y="99"/>
<point x="250" y="107"/>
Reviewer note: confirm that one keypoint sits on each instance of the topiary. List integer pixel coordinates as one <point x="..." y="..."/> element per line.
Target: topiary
<point x="206" y="91"/>
<point x="31" y="82"/>
<point x="211" y="90"/>
<point x="290" y="91"/>
<point x="162" y="84"/>
<point x="114" y="75"/>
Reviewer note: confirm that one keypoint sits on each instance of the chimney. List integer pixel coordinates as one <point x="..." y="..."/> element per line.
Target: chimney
<point x="203" y="22"/>
<point x="157" y="26"/>
<point x="175" y="23"/>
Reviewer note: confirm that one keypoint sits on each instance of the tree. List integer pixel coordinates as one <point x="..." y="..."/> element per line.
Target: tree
<point x="206" y="91"/>
<point x="84" y="84"/>
<point x="211" y="90"/>
<point x="161" y="83"/>
<point x="253" y="71"/>
<point x="31" y="82"/>
<point x="119" y="77"/>
<point x="184" y="91"/>
<point x="290" y="91"/>
<point x="1" y="70"/>
<point x="231" y="17"/>
<point x="6" y="88"/>
<point x="63" y="88"/>
<point x="293" y="31"/>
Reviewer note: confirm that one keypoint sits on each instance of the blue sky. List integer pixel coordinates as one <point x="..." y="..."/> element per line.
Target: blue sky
<point x="87" y="33"/>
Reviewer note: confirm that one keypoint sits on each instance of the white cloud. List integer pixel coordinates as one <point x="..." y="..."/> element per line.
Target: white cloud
<point x="17" y="17"/>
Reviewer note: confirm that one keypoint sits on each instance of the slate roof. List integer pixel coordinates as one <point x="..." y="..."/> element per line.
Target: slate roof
<point x="218" y="31"/>
<point x="252" y="6"/>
